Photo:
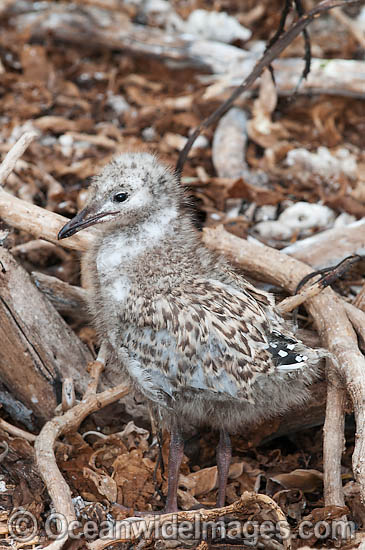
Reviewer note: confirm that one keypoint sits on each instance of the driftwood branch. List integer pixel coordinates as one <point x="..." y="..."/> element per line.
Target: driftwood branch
<point x="37" y="221"/>
<point x="67" y="299"/>
<point x="92" y="401"/>
<point x="334" y="441"/>
<point x="17" y="432"/>
<point x="341" y="77"/>
<point x="38" y="349"/>
<point x="237" y="509"/>
<point x="331" y="246"/>
<point x="9" y="162"/>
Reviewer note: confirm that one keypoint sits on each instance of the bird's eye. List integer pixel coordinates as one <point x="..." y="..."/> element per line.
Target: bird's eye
<point x="120" y="197"/>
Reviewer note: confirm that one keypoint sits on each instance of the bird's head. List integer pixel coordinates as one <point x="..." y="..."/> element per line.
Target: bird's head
<point x="130" y="188"/>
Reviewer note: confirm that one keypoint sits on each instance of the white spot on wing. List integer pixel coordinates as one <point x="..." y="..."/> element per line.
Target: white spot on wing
<point x="282" y="353"/>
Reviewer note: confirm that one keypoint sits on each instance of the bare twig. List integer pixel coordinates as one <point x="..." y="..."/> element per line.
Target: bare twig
<point x="280" y="30"/>
<point x="57" y="487"/>
<point x="292" y="302"/>
<point x="17" y="432"/>
<point x="334" y="441"/>
<point x="351" y="25"/>
<point x="328" y="276"/>
<point x="9" y="162"/>
<point x="307" y="45"/>
<point x="39" y="222"/>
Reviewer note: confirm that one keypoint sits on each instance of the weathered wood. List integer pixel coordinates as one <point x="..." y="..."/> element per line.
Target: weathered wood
<point x="330" y="247"/>
<point x="67" y="299"/>
<point x="343" y="77"/>
<point x="38" y="349"/>
<point x="38" y="221"/>
<point x="113" y="31"/>
<point x="17" y="410"/>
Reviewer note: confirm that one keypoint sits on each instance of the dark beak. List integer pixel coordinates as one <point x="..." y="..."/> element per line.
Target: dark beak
<point x="80" y="221"/>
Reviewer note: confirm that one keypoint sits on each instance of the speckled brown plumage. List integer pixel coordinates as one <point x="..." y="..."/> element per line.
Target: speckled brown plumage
<point x="193" y="336"/>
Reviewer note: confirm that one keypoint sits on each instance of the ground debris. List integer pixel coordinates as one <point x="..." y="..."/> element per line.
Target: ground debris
<point x="279" y="167"/>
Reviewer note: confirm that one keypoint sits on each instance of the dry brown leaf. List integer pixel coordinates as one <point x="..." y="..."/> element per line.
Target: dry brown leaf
<point x="35" y="63"/>
<point x="205" y="480"/>
<point x="83" y="168"/>
<point x="105" y="485"/>
<point x="133" y="477"/>
<point x="260" y="128"/>
<point x="55" y="124"/>
<point x="328" y="513"/>
<point x="259" y="195"/>
<point x="134" y="437"/>
<point x="305" y="480"/>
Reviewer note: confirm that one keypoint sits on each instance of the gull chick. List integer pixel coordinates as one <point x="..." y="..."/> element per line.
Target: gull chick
<point x="202" y="344"/>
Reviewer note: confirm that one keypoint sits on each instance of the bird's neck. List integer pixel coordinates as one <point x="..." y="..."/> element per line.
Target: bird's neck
<point x="126" y="244"/>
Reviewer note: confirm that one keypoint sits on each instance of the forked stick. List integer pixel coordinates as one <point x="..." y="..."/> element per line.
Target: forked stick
<point x="44" y="445"/>
<point x="9" y="162"/>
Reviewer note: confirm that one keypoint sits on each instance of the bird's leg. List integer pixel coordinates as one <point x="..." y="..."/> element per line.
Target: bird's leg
<point x="175" y="457"/>
<point x="224" y="455"/>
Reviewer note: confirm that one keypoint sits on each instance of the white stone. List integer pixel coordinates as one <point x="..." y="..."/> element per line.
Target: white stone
<point x="324" y="162"/>
<point x="219" y="26"/>
<point x="273" y="230"/>
<point x="304" y="215"/>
